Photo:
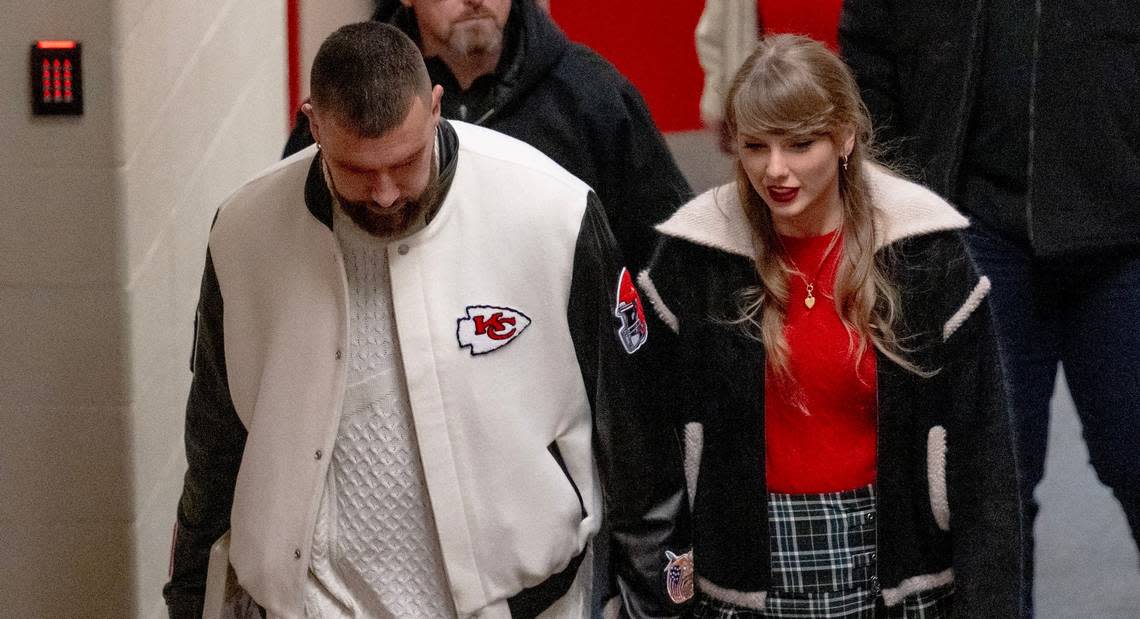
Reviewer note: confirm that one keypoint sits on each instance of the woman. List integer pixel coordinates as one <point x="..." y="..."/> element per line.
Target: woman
<point x="838" y="353"/>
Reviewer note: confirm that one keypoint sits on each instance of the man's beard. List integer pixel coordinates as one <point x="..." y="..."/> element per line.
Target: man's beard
<point x="382" y="223"/>
<point x="393" y="221"/>
<point x="476" y="38"/>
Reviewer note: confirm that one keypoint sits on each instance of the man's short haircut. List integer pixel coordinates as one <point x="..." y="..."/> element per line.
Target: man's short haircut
<point x="366" y="76"/>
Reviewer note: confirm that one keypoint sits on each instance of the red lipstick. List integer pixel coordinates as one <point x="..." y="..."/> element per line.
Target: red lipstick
<point x="783" y="194"/>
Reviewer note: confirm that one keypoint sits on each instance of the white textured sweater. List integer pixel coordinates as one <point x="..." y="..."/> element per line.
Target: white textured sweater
<point x="375" y="547"/>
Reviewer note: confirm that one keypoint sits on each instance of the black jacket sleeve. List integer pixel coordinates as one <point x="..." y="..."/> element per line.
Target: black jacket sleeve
<point x="672" y="287"/>
<point x="215" y="439"/>
<point x="982" y="489"/>
<point x="300" y="137"/>
<point x="638" y="453"/>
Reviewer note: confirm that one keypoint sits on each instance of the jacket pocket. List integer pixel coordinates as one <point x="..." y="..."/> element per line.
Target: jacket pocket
<point x="557" y="455"/>
<point x="936" y="476"/>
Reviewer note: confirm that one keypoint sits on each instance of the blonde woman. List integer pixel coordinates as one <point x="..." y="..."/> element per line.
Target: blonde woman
<point x="834" y="343"/>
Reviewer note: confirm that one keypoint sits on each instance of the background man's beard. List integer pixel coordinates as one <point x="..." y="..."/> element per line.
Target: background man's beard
<point x="476" y="38"/>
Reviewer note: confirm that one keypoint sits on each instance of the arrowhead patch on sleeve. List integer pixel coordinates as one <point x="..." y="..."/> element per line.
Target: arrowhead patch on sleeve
<point x="485" y="328"/>
<point x="633" y="330"/>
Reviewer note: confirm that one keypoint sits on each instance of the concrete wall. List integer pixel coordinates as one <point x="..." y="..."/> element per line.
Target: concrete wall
<point x="101" y="250"/>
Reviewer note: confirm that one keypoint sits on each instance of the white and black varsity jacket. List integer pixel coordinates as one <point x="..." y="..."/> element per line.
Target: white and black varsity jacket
<point x="518" y="326"/>
<point x="947" y="508"/>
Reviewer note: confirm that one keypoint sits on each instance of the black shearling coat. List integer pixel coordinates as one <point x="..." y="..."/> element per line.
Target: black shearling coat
<point x="947" y="495"/>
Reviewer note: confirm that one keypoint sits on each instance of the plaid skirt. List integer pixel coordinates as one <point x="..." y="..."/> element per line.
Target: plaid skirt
<point x="824" y="565"/>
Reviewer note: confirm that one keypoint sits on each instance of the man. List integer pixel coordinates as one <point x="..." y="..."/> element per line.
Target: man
<point x="503" y="64"/>
<point x="1024" y="114"/>
<point x="414" y="341"/>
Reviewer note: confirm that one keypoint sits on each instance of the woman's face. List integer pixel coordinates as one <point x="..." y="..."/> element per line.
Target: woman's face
<point x="797" y="176"/>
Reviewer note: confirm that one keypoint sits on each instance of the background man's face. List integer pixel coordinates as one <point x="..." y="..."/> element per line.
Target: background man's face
<point x="380" y="181"/>
<point x="466" y="27"/>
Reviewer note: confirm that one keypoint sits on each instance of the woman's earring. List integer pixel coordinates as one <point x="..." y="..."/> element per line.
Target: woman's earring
<point x="844" y="163"/>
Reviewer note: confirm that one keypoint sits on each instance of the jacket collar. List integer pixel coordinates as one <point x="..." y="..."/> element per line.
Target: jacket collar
<point x="715" y="218"/>
<point x="318" y="197"/>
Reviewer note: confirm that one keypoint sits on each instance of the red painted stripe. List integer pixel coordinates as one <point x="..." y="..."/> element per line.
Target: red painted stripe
<point x="293" y="53"/>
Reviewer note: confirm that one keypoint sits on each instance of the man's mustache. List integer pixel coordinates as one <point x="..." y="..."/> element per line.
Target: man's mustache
<point x="477" y="15"/>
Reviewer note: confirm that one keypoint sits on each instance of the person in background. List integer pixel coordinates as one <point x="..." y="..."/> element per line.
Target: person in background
<point x="505" y="65"/>
<point x="831" y="335"/>
<point x="376" y="312"/>
<point x="728" y="31"/>
<point x="1024" y="115"/>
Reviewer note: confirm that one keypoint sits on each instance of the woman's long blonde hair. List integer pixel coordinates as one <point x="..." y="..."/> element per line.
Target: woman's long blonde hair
<point x="795" y="86"/>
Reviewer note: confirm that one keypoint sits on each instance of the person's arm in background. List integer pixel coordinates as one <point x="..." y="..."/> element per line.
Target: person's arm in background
<point x="636" y="445"/>
<point x="726" y="33"/>
<point x="634" y="174"/>
<point x="215" y="439"/>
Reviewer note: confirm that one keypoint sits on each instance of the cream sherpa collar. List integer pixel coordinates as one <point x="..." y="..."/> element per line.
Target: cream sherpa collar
<point x="715" y="218"/>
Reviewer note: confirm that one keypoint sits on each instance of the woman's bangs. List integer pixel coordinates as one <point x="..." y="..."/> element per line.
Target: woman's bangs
<point x="775" y="103"/>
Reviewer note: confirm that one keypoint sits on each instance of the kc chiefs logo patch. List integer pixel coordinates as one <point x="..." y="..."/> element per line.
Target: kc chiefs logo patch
<point x="633" y="330"/>
<point x="485" y="327"/>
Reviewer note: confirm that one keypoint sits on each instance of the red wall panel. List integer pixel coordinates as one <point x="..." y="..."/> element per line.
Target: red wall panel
<point x="651" y="43"/>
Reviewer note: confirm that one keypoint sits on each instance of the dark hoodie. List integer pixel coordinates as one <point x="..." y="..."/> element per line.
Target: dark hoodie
<point x="568" y="102"/>
<point x="1036" y="136"/>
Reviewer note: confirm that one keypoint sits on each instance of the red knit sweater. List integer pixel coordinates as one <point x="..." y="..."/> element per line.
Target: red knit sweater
<point x="820" y="426"/>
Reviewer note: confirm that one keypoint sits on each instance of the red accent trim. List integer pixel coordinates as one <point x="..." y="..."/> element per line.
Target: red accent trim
<point x="61" y="44"/>
<point x="293" y="56"/>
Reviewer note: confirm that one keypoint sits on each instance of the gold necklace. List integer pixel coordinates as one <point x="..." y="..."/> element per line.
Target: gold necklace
<point x="809" y="299"/>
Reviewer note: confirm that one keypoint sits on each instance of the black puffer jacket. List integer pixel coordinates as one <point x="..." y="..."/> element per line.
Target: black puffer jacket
<point x="567" y="101"/>
<point x="918" y="65"/>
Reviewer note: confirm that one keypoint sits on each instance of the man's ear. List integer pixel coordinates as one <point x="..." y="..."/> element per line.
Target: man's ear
<point x="311" y="114"/>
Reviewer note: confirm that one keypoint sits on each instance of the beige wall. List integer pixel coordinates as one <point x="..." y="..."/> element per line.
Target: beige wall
<point x="101" y="249"/>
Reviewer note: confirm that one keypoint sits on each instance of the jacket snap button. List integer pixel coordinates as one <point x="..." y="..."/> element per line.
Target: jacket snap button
<point x="338" y="355"/>
<point x="318" y="454"/>
<point x="297" y="553"/>
<point x="403" y="249"/>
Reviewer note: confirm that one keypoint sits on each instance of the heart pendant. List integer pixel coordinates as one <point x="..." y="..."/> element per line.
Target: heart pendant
<point x="809" y="302"/>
